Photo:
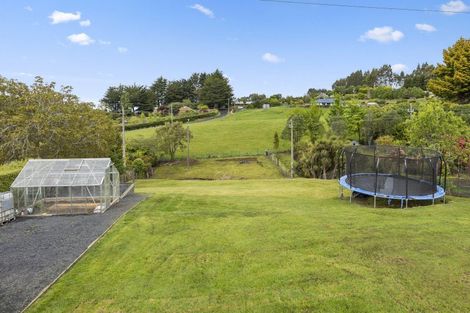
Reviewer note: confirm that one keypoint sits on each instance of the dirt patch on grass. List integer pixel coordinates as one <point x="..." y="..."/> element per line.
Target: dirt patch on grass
<point x="239" y="160"/>
<point x="179" y="162"/>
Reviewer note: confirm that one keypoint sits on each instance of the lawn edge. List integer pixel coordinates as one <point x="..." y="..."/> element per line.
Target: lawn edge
<point x="43" y="291"/>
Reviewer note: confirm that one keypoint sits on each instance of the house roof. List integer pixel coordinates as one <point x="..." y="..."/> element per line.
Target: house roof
<point x="62" y="172"/>
<point x="328" y="100"/>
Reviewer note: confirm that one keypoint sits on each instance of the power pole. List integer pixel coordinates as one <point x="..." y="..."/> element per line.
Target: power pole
<point x="291" y="148"/>
<point x="187" y="139"/>
<point x="123" y="135"/>
<point x="171" y="113"/>
<point x="228" y="106"/>
<point x="411" y="110"/>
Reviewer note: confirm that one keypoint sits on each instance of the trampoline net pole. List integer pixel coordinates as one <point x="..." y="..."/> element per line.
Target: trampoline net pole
<point x="433" y="180"/>
<point x="406" y="175"/>
<point x="376" y="181"/>
<point x="398" y="162"/>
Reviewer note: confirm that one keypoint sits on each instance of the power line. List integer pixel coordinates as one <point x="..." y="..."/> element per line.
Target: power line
<point x="354" y="6"/>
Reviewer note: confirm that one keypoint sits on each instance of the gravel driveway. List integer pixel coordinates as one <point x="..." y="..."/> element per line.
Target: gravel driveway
<point x="34" y="251"/>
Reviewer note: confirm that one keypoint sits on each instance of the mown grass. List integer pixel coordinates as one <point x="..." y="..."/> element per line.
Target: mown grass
<point x="219" y="169"/>
<point x="248" y="132"/>
<point x="271" y="246"/>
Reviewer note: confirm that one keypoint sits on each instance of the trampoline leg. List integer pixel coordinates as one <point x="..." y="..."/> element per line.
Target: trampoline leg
<point x="401" y="204"/>
<point x="350" y="197"/>
<point x="406" y="201"/>
<point x="375" y="202"/>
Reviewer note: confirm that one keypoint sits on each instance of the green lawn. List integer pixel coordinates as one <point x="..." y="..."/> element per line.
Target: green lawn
<point x="248" y="132"/>
<point x="220" y="169"/>
<point x="271" y="246"/>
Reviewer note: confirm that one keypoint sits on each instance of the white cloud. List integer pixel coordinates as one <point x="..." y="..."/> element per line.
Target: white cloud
<point x="426" y="28"/>
<point x="453" y="7"/>
<point x="271" y="58"/>
<point x="104" y="42"/>
<point x="64" y="17"/>
<point x="398" y="68"/>
<point x="203" y="10"/>
<point x="28" y="8"/>
<point x="122" y="50"/>
<point x="85" y="23"/>
<point x="382" y="34"/>
<point x="81" y="39"/>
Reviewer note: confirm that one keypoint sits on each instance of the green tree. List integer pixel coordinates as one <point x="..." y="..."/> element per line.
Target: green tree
<point x="336" y="120"/>
<point x="216" y="90"/>
<point x="433" y="127"/>
<point x="38" y="121"/>
<point x="306" y="122"/>
<point x="276" y="141"/>
<point x="299" y="127"/>
<point x="179" y="90"/>
<point x="353" y="115"/>
<point x="133" y="97"/>
<point x="140" y="98"/>
<point x="320" y="159"/>
<point x="140" y="168"/>
<point x="112" y="98"/>
<point x="313" y="124"/>
<point x="452" y="78"/>
<point x="170" y="138"/>
<point x="420" y="76"/>
<point x="159" y="90"/>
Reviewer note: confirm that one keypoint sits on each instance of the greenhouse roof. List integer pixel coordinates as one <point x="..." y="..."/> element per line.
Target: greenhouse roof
<point x="62" y="172"/>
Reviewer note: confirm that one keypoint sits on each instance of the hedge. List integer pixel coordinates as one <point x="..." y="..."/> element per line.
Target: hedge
<point x="166" y="120"/>
<point x="8" y="173"/>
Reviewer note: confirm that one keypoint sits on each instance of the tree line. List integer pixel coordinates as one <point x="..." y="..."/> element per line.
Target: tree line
<point x="211" y="89"/>
<point x="449" y="80"/>
<point x="40" y="121"/>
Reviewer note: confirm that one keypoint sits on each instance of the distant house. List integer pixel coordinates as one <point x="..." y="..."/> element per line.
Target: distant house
<point x="325" y="102"/>
<point x="266" y="106"/>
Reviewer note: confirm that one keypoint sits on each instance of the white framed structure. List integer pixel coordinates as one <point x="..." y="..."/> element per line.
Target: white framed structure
<point x="66" y="186"/>
<point x="7" y="213"/>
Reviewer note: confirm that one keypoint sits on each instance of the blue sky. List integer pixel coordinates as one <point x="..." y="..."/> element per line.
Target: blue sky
<point x="262" y="47"/>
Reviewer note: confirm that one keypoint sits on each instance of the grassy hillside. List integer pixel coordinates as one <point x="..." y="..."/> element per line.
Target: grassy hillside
<point x="220" y="169"/>
<point x="270" y="246"/>
<point x="248" y="132"/>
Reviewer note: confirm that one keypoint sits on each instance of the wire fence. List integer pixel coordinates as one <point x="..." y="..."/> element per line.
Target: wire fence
<point x="285" y="171"/>
<point x="459" y="184"/>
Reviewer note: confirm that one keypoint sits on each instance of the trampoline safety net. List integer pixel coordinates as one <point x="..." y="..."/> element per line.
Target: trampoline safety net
<point x="392" y="172"/>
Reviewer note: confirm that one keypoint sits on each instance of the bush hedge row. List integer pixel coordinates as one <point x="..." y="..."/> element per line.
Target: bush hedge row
<point x="6" y="179"/>
<point x="8" y="173"/>
<point x="176" y="119"/>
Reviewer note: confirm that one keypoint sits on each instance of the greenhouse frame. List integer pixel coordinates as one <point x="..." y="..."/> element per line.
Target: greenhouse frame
<point x="66" y="186"/>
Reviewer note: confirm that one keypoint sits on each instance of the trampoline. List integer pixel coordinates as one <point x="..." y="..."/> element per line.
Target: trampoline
<point x="393" y="173"/>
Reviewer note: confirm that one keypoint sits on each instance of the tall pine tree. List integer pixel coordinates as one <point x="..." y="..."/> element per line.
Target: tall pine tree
<point x="216" y="90"/>
<point x="452" y="78"/>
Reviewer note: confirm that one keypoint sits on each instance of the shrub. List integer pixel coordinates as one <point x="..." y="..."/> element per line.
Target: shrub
<point x="202" y="108"/>
<point x="8" y="173"/>
<point x="140" y="167"/>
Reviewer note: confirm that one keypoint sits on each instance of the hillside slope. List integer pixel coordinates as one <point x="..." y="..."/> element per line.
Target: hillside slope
<point x="247" y="132"/>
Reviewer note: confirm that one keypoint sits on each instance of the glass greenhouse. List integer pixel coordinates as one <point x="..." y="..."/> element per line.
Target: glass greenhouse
<point x="66" y="186"/>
